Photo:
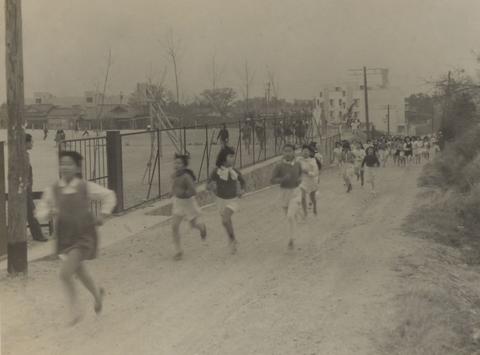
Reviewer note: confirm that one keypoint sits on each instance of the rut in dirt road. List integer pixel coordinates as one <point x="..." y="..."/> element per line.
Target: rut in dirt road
<point x="331" y="295"/>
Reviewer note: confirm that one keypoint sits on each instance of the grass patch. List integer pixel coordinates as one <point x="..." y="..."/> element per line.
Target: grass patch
<point x="432" y="322"/>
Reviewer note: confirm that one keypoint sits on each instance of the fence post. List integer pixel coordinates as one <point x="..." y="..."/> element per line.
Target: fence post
<point x="208" y="151"/>
<point x="159" y="132"/>
<point x="254" y="133"/>
<point x="265" y="138"/>
<point x="240" y="137"/>
<point x="3" y="210"/>
<point x="184" y="140"/>
<point x="115" y="167"/>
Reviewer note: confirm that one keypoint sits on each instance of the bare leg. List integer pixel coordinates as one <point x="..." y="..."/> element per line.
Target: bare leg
<point x="304" y="202"/>
<point x="67" y="270"/>
<point x="228" y="225"/>
<point x="89" y="284"/>
<point x="176" y="236"/>
<point x="313" y="198"/>
<point x="199" y="226"/>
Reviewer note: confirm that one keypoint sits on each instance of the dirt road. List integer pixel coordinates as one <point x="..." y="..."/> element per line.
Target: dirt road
<point x="333" y="295"/>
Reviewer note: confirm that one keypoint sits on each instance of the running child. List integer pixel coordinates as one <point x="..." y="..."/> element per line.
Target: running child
<point x="370" y="162"/>
<point x="77" y="240"/>
<point x="184" y="205"/>
<point x="348" y="160"/>
<point x="408" y="150"/>
<point x="224" y="182"/>
<point x="417" y="150"/>
<point x="288" y="174"/>
<point x="359" y="154"/>
<point x="337" y="154"/>
<point x="309" y="184"/>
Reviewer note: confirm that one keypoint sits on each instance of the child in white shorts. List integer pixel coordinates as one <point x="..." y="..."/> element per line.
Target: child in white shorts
<point x="224" y="182"/>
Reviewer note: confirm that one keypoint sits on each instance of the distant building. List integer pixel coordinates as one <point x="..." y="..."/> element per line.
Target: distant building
<point x="64" y="117"/>
<point x="114" y="117"/>
<point x="336" y="100"/>
<point x="36" y="116"/>
<point x="90" y="98"/>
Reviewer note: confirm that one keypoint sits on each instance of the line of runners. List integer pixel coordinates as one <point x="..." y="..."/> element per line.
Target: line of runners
<point x="68" y="199"/>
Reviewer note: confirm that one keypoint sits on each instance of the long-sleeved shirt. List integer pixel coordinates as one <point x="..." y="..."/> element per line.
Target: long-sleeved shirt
<point x="370" y="161"/>
<point x="183" y="184"/>
<point x="226" y="180"/>
<point x="47" y="205"/>
<point x="287" y="174"/>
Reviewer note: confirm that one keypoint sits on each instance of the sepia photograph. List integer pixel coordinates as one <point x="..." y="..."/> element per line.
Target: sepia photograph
<point x="240" y="177"/>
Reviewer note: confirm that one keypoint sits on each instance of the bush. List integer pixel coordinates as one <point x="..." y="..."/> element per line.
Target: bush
<point x="458" y="167"/>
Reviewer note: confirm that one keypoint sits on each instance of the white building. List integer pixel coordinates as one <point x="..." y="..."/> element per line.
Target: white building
<point x="336" y="100"/>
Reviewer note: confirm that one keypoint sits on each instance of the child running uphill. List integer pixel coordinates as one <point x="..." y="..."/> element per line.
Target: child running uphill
<point x="185" y="205"/>
<point x="370" y="162"/>
<point x="288" y="174"/>
<point x="309" y="184"/>
<point x="224" y="182"/>
<point x="348" y="160"/>
<point x="69" y="201"/>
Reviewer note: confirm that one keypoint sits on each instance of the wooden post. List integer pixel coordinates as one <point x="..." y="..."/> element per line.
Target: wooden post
<point x="365" y="90"/>
<point x="3" y="211"/>
<point x="17" y="156"/>
<point x="388" y="120"/>
<point x="115" y="166"/>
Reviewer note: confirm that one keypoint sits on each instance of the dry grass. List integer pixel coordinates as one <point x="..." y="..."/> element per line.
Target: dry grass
<point x="437" y="315"/>
<point x="432" y="322"/>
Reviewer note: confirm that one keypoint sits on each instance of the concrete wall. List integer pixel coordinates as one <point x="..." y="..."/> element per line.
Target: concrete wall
<point x="256" y="177"/>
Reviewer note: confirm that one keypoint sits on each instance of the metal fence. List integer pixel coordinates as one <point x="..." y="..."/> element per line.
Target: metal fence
<point x="145" y="159"/>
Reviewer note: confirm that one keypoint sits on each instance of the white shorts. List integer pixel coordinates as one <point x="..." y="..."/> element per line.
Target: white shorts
<point x="309" y="184"/>
<point x="187" y="208"/>
<point x="291" y="200"/>
<point x="232" y="204"/>
<point x="370" y="174"/>
<point x="348" y="170"/>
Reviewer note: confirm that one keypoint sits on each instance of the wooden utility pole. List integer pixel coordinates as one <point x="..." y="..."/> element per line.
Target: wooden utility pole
<point x="365" y="90"/>
<point x="388" y="120"/>
<point x="3" y="204"/>
<point x="17" y="156"/>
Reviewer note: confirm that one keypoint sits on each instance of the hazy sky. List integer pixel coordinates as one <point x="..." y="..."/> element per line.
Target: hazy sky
<point x="305" y="43"/>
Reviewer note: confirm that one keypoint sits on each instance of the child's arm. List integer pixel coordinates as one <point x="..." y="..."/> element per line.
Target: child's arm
<point x="299" y="180"/>
<point x="46" y="206"/>
<point x="211" y="181"/>
<point x="241" y="180"/>
<point x="276" y="175"/>
<point x="105" y="196"/>
<point x="364" y="161"/>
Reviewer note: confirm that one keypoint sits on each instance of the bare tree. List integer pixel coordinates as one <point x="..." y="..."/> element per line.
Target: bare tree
<point x="247" y="76"/>
<point x="102" y="97"/>
<point x="172" y="47"/>
<point x="215" y="72"/>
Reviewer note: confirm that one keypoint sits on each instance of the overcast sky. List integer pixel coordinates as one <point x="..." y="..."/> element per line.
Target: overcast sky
<point x="305" y="43"/>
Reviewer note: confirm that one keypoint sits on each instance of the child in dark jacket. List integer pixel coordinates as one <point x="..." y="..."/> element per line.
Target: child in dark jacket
<point x="224" y="182"/>
<point x="370" y="162"/>
<point x="185" y="205"/>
